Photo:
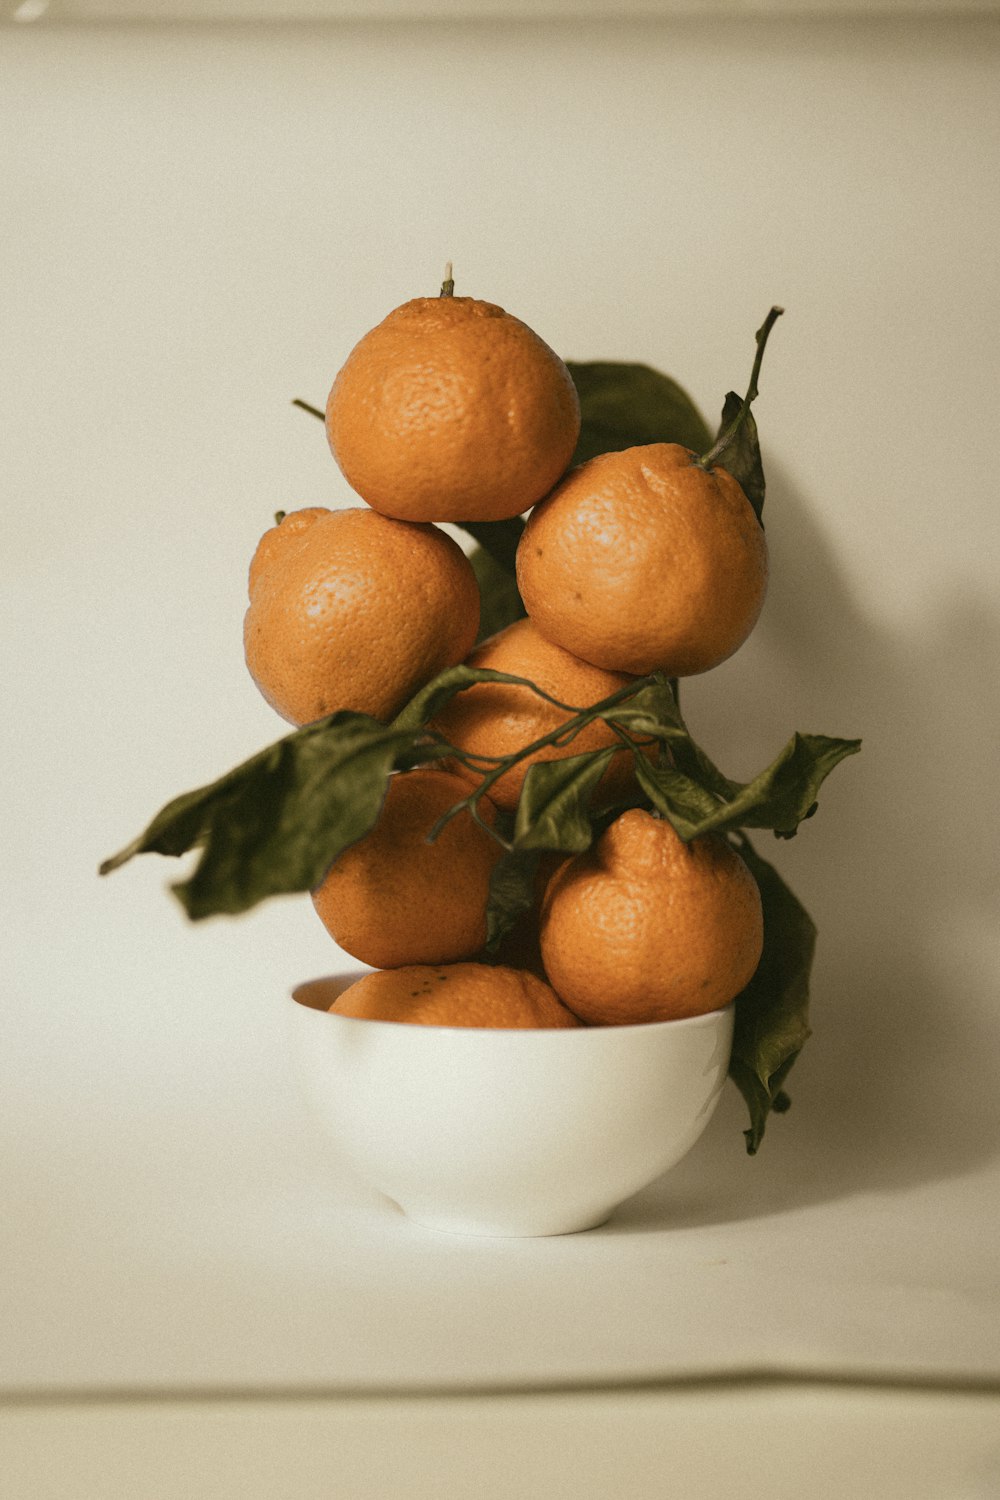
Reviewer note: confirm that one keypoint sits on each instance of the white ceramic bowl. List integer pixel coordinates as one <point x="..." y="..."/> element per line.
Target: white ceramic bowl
<point x="507" y="1132"/>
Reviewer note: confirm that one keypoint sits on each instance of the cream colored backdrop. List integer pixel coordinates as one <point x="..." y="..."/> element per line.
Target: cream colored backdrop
<point x="200" y="223"/>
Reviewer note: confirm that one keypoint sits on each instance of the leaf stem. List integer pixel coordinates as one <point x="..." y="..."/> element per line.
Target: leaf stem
<point x="725" y="438"/>
<point x="561" y="735"/>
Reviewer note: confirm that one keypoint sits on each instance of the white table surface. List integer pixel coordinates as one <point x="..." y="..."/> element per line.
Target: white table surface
<point x="208" y="1241"/>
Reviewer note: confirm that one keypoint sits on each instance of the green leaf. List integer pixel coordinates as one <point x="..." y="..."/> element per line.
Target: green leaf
<point x="552" y="817"/>
<point x="512" y="890"/>
<point x="698" y="799"/>
<point x="785" y="794"/>
<point x="624" y="405"/>
<point x="553" y="809"/>
<point x="499" y="600"/>
<point x="772" y="1013"/>
<point x="741" y="457"/>
<point x="498" y="538"/>
<point x="691" y="760"/>
<point x="276" y="823"/>
<point x="688" y="806"/>
<point x="652" y="711"/>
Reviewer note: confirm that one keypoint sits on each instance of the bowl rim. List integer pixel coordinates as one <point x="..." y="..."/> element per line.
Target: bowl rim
<point x="630" y="1028"/>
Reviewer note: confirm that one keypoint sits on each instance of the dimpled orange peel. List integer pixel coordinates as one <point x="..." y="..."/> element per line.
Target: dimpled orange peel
<point x="481" y="995"/>
<point x="644" y="561"/>
<point x="452" y="410"/>
<point x="644" y="927"/>
<point x="349" y="609"/>
<point x="393" y="898"/>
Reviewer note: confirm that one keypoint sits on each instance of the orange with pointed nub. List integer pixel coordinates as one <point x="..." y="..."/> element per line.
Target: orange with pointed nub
<point x="452" y="410"/>
<point x="645" y="927"/>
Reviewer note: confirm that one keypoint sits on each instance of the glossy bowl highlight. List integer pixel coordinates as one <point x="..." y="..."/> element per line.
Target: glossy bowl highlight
<point x="507" y="1132"/>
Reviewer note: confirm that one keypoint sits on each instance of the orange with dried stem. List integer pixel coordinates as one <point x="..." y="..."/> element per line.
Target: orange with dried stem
<point x="452" y="410"/>
<point x="493" y="719"/>
<point x="653" y="559"/>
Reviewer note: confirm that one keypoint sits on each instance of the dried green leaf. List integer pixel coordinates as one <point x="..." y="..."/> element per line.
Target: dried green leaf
<point x="433" y="697"/>
<point x="553" y="811"/>
<point x="651" y="712"/>
<point x="772" y="1013"/>
<point x="698" y="799"/>
<point x="741" y="457"/>
<point x="277" y="822"/>
<point x="512" y="890"/>
<point x="689" y="806"/>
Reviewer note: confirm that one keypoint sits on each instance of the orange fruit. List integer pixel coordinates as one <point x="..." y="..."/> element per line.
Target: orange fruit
<point x="349" y="609"/>
<point x="643" y="927"/>
<point x="392" y="898"/>
<point x="496" y="719"/>
<point x="452" y="410"/>
<point x="642" y="561"/>
<point x="456" y="995"/>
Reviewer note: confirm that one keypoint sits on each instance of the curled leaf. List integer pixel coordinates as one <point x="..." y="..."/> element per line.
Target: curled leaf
<point x="512" y="890"/>
<point x="736" y="447"/>
<point x="698" y="799"/>
<point x="742" y="455"/>
<point x="433" y="697"/>
<point x="277" y="822"/>
<point x="651" y="712"/>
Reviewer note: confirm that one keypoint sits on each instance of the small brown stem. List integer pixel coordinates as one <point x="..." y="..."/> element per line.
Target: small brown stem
<point x="313" y="411"/>
<point x="448" y="284"/>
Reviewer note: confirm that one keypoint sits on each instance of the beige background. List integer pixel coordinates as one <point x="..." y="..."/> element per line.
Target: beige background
<point x="203" y="221"/>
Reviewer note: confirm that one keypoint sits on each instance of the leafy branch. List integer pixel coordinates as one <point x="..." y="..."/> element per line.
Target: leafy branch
<point x="277" y="822"/>
<point x="563" y="735"/>
<point x="737" y="444"/>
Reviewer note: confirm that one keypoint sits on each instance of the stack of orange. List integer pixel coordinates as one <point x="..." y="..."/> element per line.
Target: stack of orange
<point x="453" y="410"/>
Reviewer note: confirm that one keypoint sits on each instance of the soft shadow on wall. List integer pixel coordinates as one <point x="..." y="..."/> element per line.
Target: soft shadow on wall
<point x="899" y="869"/>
